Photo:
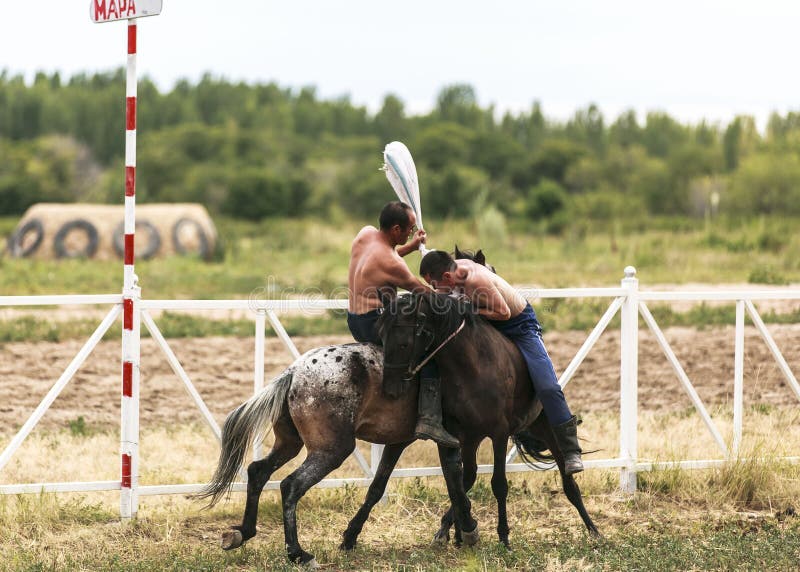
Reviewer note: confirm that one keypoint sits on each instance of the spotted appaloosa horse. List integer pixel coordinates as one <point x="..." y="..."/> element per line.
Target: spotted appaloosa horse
<point x="325" y="400"/>
<point x="333" y="395"/>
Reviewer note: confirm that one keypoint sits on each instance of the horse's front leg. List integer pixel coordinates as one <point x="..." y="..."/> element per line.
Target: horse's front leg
<point x="450" y="460"/>
<point x="469" y="454"/>
<point x="391" y="454"/>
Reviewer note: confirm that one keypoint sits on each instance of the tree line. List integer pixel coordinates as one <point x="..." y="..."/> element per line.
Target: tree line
<point x="255" y="151"/>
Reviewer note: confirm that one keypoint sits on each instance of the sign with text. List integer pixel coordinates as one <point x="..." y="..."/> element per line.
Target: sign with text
<point x="110" y="10"/>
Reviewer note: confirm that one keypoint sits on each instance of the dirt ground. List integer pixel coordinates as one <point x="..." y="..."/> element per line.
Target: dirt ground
<point x="222" y="371"/>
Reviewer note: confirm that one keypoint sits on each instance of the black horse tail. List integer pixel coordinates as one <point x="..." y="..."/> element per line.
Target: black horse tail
<point x="531" y="450"/>
<point x="252" y="418"/>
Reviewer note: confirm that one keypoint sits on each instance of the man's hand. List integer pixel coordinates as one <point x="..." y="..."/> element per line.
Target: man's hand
<point x="413" y="243"/>
<point x="419" y="238"/>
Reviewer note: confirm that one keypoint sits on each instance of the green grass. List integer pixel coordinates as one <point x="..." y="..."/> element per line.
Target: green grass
<point x="646" y="532"/>
<point x="740" y="515"/>
<point x="308" y="255"/>
<point x="555" y="315"/>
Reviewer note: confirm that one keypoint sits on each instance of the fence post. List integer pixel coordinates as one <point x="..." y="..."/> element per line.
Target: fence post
<point x="738" y="379"/>
<point x="629" y="381"/>
<point x="375" y="454"/>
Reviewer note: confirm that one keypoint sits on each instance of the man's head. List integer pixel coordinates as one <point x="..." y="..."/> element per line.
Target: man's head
<point x="437" y="268"/>
<point x="398" y="221"/>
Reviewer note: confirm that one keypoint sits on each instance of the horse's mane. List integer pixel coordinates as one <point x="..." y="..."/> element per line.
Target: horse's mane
<point x="448" y="311"/>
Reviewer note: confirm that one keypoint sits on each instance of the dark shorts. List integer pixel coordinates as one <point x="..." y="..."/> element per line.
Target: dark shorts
<point x="364" y="329"/>
<point x="363" y="326"/>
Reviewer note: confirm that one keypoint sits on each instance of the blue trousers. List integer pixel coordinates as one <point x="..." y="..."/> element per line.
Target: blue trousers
<point x="364" y="329"/>
<point x="524" y="330"/>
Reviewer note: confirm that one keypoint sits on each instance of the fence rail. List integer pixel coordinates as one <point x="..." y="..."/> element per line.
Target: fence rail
<point x="627" y="300"/>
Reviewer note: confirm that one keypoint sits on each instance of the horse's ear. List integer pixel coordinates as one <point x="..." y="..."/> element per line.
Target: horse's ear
<point x="458" y="253"/>
<point x="480" y="258"/>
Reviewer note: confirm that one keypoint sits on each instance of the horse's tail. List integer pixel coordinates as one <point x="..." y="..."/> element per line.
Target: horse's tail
<point x="252" y="418"/>
<point x="531" y="450"/>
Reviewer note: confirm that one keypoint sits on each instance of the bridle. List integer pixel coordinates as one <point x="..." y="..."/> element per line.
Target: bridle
<point x="414" y="371"/>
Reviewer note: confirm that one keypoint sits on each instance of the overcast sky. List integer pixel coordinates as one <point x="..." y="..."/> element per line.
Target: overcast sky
<point x="694" y="59"/>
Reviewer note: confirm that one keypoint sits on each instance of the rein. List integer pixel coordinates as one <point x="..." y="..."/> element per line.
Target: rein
<point x="413" y="372"/>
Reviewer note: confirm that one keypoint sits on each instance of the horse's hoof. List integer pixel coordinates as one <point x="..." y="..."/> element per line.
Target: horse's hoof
<point x="440" y="539"/>
<point x="231" y="539"/>
<point x="507" y="544"/>
<point x="471" y="538"/>
<point x="347" y="546"/>
<point x="311" y="564"/>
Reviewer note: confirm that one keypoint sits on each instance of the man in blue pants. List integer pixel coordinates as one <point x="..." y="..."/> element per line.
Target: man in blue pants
<point x="509" y="312"/>
<point x="376" y="271"/>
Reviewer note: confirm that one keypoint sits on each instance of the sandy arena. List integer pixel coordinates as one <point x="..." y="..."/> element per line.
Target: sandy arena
<point x="222" y="370"/>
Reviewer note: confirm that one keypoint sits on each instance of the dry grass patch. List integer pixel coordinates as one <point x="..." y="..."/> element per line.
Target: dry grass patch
<point x="732" y="516"/>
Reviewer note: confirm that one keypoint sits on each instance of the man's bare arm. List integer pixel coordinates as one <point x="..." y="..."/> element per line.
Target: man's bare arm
<point x="405" y="249"/>
<point x="488" y="300"/>
<point x="496" y="307"/>
<point x="398" y="273"/>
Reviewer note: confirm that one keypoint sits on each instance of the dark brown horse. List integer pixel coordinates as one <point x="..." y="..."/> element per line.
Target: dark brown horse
<point x="332" y="395"/>
<point x="501" y="405"/>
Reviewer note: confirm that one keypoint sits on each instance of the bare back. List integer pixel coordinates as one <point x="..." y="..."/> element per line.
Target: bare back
<point x="375" y="268"/>
<point x="482" y="286"/>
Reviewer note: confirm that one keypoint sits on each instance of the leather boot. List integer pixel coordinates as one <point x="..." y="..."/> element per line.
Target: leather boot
<point x="567" y="439"/>
<point x="429" y="421"/>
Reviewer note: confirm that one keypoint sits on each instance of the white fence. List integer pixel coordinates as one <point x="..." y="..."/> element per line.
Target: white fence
<point x="627" y="299"/>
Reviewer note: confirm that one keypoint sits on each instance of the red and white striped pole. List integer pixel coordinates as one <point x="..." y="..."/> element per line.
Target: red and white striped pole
<point x="131" y="294"/>
<point x="101" y="11"/>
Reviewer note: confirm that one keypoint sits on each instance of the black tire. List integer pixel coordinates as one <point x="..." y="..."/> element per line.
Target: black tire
<point x="153" y="241"/>
<point x="15" y="241"/>
<point x="203" y="249"/>
<point x="81" y="225"/>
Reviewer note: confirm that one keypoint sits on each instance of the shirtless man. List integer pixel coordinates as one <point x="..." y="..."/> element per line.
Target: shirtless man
<point x="376" y="271"/>
<point x="509" y="312"/>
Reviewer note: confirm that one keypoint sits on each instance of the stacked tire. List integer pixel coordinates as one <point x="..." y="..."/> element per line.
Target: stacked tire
<point x="55" y="231"/>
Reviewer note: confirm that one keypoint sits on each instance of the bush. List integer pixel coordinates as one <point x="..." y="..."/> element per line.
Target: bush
<point x="771" y="240"/>
<point x="766" y="275"/>
<point x="363" y="194"/>
<point x="607" y="206"/>
<point x="255" y="194"/>
<point x="559" y="222"/>
<point x="546" y="199"/>
<point x="452" y="192"/>
<point x="766" y="183"/>
<point x="492" y="230"/>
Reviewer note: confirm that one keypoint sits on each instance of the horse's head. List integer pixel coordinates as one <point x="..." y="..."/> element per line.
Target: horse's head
<point x="413" y="325"/>
<point x="477" y="257"/>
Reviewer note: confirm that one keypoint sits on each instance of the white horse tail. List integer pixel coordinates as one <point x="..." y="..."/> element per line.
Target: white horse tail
<point x="251" y="419"/>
